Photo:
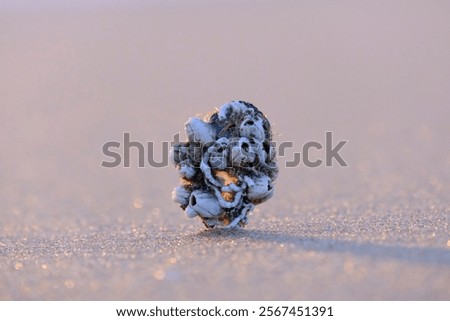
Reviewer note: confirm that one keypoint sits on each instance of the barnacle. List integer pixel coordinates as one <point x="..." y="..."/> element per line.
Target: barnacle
<point x="227" y="166"/>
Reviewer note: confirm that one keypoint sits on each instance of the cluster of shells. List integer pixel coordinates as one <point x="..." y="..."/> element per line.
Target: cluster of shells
<point x="227" y="166"/>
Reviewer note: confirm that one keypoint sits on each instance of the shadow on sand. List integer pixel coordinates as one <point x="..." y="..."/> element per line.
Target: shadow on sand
<point x="425" y="255"/>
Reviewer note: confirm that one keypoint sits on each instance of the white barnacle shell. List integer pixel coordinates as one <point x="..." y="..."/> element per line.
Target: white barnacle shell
<point x="272" y="153"/>
<point x="249" y="181"/>
<point x="234" y="106"/>
<point x="242" y="152"/>
<point x="205" y="204"/>
<point x="200" y="131"/>
<point x="218" y="160"/>
<point x="190" y="212"/>
<point x="261" y="189"/>
<point x="235" y="188"/>
<point x="228" y="204"/>
<point x="187" y="171"/>
<point x="218" y="154"/>
<point x="178" y="152"/>
<point x="174" y="155"/>
<point x="257" y="148"/>
<point x="243" y="216"/>
<point x="181" y="195"/>
<point x="206" y="169"/>
<point x="252" y="127"/>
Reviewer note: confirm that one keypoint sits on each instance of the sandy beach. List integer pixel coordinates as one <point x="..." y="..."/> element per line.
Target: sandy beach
<point x="73" y="77"/>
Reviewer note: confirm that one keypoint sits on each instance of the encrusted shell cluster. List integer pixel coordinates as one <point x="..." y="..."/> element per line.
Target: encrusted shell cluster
<point x="227" y="166"/>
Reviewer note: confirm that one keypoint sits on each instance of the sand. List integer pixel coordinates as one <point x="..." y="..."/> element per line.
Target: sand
<point x="73" y="78"/>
